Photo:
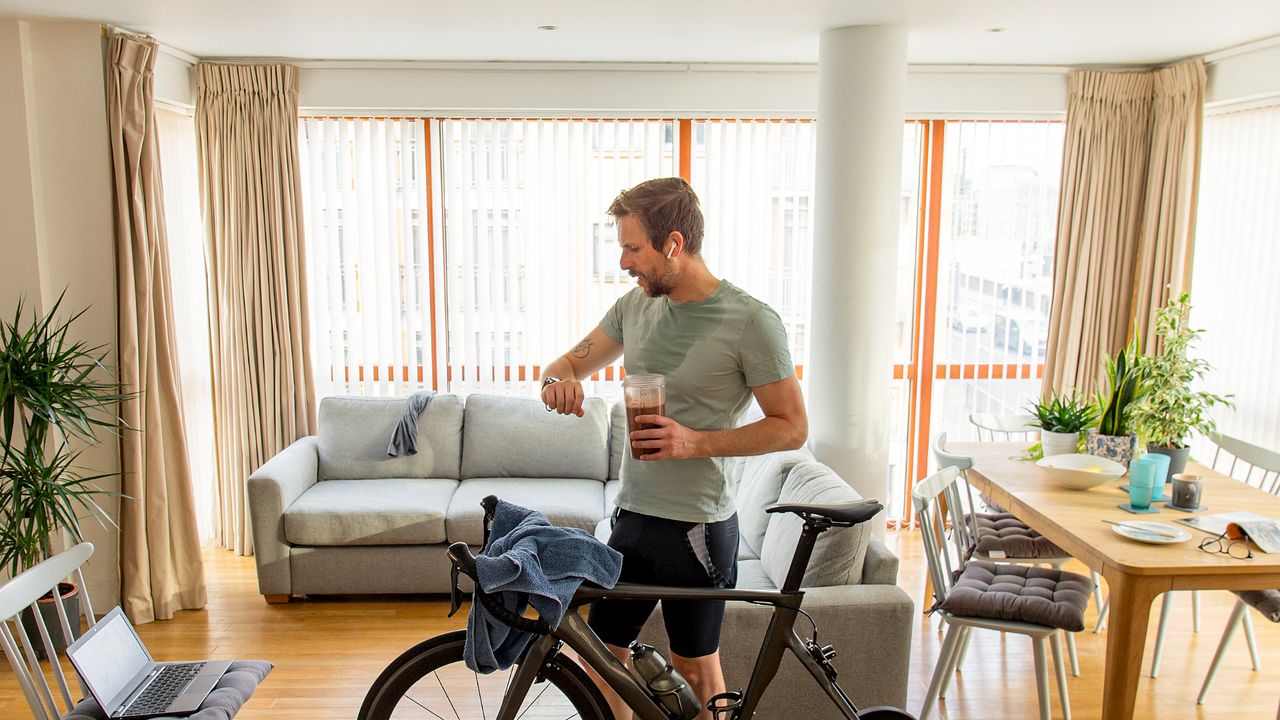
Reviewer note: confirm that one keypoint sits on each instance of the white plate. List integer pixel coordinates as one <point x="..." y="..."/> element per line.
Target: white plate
<point x="1151" y="532"/>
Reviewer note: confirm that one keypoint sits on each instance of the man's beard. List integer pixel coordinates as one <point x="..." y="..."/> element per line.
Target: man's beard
<point x="658" y="283"/>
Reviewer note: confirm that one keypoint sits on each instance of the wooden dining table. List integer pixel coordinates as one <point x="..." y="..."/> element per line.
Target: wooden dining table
<point x="1135" y="572"/>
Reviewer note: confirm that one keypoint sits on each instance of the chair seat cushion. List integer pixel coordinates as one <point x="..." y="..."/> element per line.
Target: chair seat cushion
<point x="1005" y="533"/>
<point x="382" y="511"/>
<point x="224" y="702"/>
<point x="1266" y="602"/>
<point x="1042" y="596"/>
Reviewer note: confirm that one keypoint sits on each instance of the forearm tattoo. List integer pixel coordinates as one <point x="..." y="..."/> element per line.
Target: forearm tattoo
<point x="583" y="348"/>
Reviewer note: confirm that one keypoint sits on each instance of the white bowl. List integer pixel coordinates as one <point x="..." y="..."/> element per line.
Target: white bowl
<point x="1079" y="471"/>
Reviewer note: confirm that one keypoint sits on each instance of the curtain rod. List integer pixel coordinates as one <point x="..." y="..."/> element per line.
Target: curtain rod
<point x="169" y="50"/>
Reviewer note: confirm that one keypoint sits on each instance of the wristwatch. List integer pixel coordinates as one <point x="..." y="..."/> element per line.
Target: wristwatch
<point x="545" y="382"/>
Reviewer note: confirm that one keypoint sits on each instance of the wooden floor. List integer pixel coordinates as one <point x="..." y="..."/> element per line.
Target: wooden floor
<point x="327" y="651"/>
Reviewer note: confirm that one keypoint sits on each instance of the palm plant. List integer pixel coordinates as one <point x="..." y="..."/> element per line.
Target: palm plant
<point x="53" y="397"/>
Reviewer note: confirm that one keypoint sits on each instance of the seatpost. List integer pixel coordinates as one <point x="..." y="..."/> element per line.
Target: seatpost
<point x="813" y="527"/>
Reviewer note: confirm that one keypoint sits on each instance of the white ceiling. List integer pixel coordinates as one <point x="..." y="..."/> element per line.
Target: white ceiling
<point x="1051" y="32"/>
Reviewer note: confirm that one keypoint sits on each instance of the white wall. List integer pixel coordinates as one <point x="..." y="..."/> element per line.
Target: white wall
<point x="1246" y="74"/>
<point x="56" y="208"/>
<point x="644" y="88"/>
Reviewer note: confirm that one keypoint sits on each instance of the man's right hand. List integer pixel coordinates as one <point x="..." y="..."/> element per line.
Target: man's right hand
<point x="564" y="397"/>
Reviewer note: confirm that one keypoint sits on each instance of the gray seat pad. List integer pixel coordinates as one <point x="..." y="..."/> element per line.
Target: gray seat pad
<point x="390" y="511"/>
<point x="1266" y="602"/>
<point x="1042" y="596"/>
<point x="224" y="702"/>
<point x="567" y="502"/>
<point x="1005" y="533"/>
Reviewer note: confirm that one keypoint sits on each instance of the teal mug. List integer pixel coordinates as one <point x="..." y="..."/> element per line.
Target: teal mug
<point x="1143" y="474"/>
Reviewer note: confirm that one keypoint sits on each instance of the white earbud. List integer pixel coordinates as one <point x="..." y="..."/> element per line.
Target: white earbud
<point x="673" y="249"/>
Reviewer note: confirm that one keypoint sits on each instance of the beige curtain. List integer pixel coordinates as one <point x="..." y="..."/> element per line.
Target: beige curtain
<point x="1173" y="177"/>
<point x="247" y="136"/>
<point x="160" y="564"/>
<point x="1124" y="217"/>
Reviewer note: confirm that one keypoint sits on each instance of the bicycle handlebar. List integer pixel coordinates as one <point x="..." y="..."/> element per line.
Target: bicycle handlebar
<point x="463" y="559"/>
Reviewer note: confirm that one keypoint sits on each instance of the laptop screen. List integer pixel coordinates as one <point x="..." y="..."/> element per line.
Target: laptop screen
<point x="110" y="657"/>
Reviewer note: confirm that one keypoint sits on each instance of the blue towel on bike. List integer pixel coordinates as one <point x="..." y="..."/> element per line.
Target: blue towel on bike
<point x="529" y="561"/>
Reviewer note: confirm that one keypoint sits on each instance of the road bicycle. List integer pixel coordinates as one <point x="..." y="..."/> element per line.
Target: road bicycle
<point x="431" y="681"/>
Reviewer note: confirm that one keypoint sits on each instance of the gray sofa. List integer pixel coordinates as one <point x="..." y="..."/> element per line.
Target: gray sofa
<point x="334" y="514"/>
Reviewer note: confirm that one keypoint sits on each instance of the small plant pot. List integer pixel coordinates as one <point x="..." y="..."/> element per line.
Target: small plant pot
<point x="1056" y="443"/>
<point x="1120" y="448"/>
<point x="49" y="612"/>
<point x="1177" y="459"/>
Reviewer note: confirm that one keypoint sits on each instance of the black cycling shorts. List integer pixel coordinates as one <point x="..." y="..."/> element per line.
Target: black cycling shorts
<point x="658" y="551"/>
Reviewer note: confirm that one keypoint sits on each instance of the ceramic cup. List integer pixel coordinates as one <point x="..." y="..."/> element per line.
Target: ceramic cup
<point x="1188" y="491"/>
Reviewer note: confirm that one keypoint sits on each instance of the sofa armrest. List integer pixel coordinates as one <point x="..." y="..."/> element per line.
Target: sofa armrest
<point x="272" y="489"/>
<point x="881" y="565"/>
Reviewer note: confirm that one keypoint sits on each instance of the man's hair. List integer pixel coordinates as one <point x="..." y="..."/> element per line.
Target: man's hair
<point x="662" y="206"/>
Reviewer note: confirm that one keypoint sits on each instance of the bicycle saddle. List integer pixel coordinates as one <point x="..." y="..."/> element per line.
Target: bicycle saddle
<point x="850" y="513"/>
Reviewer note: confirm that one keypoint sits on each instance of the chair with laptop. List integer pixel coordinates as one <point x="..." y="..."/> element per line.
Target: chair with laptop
<point x="115" y="675"/>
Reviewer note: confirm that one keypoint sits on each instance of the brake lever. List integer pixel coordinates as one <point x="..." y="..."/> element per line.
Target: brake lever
<point x="455" y="595"/>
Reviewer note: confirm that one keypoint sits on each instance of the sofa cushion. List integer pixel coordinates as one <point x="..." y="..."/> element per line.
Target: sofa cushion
<point x="759" y="486"/>
<point x="751" y="576"/>
<point x="567" y="502"/>
<point x="1042" y="596"/>
<point x="518" y="438"/>
<point x="354" y="433"/>
<point x="380" y="511"/>
<point x="617" y="438"/>
<point x="611" y="489"/>
<point x="839" y="553"/>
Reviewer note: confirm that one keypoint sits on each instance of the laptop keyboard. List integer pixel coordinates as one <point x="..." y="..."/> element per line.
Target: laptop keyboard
<point x="165" y="688"/>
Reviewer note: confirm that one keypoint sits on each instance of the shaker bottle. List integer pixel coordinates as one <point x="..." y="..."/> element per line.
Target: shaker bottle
<point x="644" y="395"/>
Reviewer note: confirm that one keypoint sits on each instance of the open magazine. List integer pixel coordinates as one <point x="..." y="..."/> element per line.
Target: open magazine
<point x="1262" y="531"/>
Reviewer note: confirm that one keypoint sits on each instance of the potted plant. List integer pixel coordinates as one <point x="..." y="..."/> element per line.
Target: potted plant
<point x="1126" y="385"/>
<point x="55" y="395"/>
<point x="1172" y="409"/>
<point x="1061" y="419"/>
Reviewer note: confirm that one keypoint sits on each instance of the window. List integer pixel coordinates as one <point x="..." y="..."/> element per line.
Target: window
<point x="534" y="265"/>
<point x="365" y="207"/>
<point x="1234" y="292"/>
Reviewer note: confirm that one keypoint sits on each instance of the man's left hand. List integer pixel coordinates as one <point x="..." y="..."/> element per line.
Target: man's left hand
<point x="671" y="440"/>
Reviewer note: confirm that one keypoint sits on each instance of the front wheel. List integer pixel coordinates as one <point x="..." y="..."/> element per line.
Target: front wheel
<point x="430" y="680"/>
<point x="884" y="713"/>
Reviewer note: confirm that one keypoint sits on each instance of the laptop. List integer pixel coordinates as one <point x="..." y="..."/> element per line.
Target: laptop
<point x="112" y="661"/>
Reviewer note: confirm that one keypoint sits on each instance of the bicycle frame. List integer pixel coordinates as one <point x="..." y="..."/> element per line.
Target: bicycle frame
<point x="574" y="632"/>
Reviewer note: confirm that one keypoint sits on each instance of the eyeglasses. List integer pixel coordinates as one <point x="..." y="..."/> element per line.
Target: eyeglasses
<point x="1236" y="548"/>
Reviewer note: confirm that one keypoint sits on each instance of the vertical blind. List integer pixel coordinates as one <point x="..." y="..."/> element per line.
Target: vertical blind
<point x="181" y="186"/>
<point x="755" y="179"/>
<point x="530" y="255"/>
<point x="364" y="188"/>
<point x="1234" y="292"/>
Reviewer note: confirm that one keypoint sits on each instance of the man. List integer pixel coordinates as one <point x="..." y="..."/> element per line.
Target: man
<point x="717" y="347"/>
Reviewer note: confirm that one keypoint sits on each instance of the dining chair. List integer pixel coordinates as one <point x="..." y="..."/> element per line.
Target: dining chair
<point x="1032" y="601"/>
<point x="20" y="599"/>
<point x="1001" y="537"/>
<point x="1004" y="428"/>
<point x="1255" y="466"/>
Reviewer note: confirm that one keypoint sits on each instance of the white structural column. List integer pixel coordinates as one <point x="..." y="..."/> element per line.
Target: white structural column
<point x="862" y="74"/>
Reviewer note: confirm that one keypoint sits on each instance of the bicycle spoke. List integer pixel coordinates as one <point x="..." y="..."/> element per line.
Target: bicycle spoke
<point x="480" y="694"/>
<point x="424" y="707"/>
<point x="446" y="696"/>
<point x="535" y="701"/>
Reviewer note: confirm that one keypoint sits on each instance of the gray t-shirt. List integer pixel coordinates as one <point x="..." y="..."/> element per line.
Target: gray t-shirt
<point x="712" y="353"/>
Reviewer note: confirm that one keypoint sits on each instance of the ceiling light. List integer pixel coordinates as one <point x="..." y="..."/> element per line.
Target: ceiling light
<point x="995" y="30"/>
<point x="548" y="27"/>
